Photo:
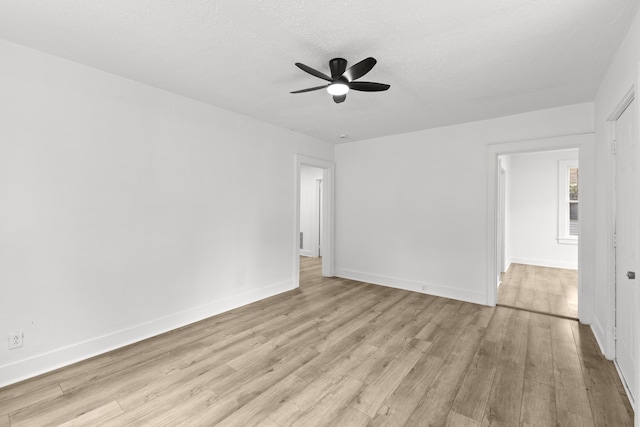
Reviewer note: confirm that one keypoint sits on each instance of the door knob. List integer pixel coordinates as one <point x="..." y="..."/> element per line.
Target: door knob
<point x="631" y="275"/>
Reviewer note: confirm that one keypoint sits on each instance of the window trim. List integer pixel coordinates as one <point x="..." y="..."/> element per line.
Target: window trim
<point x="564" y="238"/>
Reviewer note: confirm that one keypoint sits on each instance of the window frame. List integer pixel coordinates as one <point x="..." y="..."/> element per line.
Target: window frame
<point x="564" y="166"/>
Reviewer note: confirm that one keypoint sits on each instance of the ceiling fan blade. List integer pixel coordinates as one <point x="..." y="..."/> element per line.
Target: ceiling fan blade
<point x="360" y="69"/>
<point x="339" y="98"/>
<point x="368" y="86"/>
<point x="310" y="89"/>
<point x="337" y="65"/>
<point x="313" y="72"/>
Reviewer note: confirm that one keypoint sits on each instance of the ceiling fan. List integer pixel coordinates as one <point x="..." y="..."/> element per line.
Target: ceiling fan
<point x="342" y="80"/>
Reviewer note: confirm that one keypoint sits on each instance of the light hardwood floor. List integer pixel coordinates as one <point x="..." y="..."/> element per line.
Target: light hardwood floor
<point x="342" y="353"/>
<point x="541" y="289"/>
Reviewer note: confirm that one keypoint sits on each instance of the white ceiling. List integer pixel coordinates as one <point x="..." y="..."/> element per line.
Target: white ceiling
<point x="447" y="61"/>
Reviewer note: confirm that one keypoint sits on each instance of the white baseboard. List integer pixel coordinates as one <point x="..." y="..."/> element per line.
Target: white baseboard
<point x="597" y="330"/>
<point x="58" y="358"/>
<point x="409" y="285"/>
<point x="569" y="265"/>
<point x="306" y="252"/>
<point x="601" y="338"/>
<point x="630" y="396"/>
<point x="506" y="268"/>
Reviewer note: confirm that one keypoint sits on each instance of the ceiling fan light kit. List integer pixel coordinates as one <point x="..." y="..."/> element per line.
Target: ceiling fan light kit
<point x="342" y="79"/>
<point x="338" y="88"/>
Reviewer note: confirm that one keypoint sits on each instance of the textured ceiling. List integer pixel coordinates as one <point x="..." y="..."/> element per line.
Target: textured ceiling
<point x="447" y="61"/>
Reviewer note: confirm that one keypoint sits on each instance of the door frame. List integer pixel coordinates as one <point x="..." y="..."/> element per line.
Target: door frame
<point x="328" y="178"/>
<point x="585" y="310"/>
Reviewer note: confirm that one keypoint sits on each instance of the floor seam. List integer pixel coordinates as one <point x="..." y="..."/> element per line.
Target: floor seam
<point x="560" y="316"/>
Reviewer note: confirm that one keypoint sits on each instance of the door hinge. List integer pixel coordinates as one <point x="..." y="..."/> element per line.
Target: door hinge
<point x="615" y="333"/>
<point x="613" y="146"/>
<point x="615" y="240"/>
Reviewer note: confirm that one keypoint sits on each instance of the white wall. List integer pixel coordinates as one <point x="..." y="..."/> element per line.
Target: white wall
<point x="621" y="76"/>
<point x="411" y="209"/>
<point x="308" y="205"/>
<point x="126" y="211"/>
<point x="532" y="209"/>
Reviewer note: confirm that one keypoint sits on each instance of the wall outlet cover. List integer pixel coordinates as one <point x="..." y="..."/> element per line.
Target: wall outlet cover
<point x="15" y="339"/>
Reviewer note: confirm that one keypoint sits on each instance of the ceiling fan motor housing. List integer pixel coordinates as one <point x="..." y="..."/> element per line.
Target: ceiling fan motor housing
<point x="338" y="66"/>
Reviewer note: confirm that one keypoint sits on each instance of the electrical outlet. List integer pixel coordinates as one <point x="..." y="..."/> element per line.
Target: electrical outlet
<point x="15" y="339"/>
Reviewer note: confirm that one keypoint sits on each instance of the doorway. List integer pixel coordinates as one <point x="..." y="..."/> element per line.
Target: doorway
<point x="313" y="214"/>
<point x="495" y="151"/>
<point x="538" y="231"/>
<point x="311" y="184"/>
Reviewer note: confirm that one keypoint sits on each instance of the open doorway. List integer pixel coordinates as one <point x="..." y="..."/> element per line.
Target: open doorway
<point x="311" y="216"/>
<point x="311" y="184"/>
<point x="313" y="237"/>
<point x="538" y="231"/>
<point x="498" y="157"/>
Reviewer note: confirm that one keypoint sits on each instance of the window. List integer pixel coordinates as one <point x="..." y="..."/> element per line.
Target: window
<point x="568" y="220"/>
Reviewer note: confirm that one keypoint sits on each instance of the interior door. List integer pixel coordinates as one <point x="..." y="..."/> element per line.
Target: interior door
<point x="626" y="250"/>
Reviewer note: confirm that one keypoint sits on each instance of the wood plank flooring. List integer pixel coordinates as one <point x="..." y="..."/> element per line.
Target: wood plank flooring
<point x="540" y="289"/>
<point x="341" y="353"/>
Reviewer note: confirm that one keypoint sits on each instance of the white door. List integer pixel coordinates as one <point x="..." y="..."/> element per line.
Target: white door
<point x="626" y="250"/>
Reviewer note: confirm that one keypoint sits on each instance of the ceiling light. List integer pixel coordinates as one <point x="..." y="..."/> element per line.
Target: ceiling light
<point x="338" y="89"/>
